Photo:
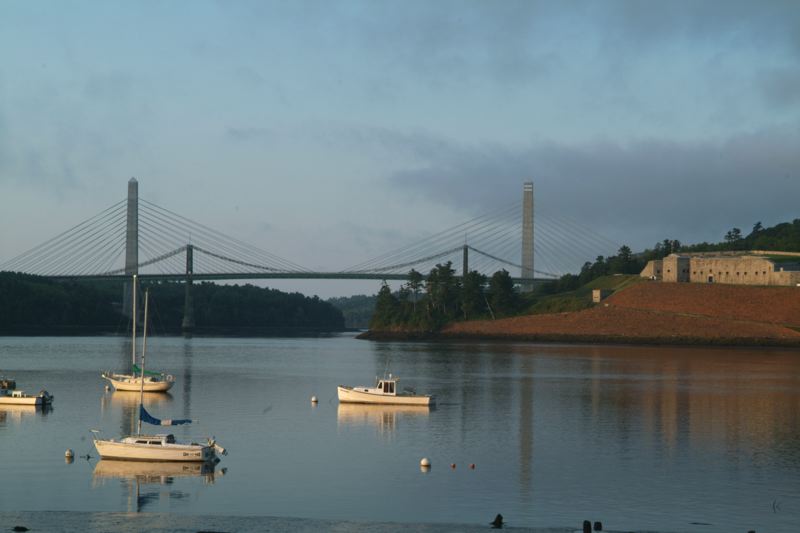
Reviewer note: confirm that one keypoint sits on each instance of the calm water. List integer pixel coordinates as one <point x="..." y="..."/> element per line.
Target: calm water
<point x="670" y="439"/>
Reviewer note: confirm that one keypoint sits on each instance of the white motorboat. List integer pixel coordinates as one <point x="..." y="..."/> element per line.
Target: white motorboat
<point x="18" y="397"/>
<point x="9" y="395"/>
<point x="385" y="391"/>
<point x="153" y="381"/>
<point x="160" y="447"/>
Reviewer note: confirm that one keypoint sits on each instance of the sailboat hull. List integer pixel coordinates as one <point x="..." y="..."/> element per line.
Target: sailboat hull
<point x="131" y="451"/>
<point x="134" y="383"/>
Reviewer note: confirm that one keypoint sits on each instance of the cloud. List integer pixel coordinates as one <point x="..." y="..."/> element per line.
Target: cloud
<point x="250" y="134"/>
<point x="635" y="192"/>
<point x="781" y="87"/>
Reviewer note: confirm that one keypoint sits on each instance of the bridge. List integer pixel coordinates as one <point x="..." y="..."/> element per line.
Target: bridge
<point x="135" y="236"/>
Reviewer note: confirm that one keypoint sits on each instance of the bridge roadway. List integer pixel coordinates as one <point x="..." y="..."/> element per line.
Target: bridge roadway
<point x="257" y="275"/>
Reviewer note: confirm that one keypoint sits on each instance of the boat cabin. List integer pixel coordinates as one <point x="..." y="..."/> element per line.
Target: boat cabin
<point x="154" y="440"/>
<point x="387" y="386"/>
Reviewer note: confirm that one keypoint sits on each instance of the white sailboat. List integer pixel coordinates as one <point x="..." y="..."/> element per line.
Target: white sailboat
<point x="153" y="381"/>
<point x="158" y="447"/>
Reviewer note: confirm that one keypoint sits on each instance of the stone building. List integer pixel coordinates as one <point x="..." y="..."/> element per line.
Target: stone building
<point x="737" y="268"/>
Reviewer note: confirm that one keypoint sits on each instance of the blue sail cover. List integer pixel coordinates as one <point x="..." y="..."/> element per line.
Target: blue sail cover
<point x="144" y="416"/>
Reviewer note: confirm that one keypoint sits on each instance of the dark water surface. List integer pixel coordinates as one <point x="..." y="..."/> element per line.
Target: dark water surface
<point x="642" y="438"/>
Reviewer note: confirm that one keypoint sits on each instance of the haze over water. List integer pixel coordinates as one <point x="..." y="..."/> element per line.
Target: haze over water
<point x="647" y="438"/>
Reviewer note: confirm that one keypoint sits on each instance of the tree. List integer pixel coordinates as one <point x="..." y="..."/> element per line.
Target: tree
<point x="415" y="280"/>
<point x="472" y="297"/>
<point x="502" y="297"/>
<point x="387" y="308"/>
<point x="733" y="237"/>
<point x="442" y="287"/>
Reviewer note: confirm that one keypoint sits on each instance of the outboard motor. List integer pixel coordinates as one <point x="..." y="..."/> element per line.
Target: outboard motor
<point x="45" y="396"/>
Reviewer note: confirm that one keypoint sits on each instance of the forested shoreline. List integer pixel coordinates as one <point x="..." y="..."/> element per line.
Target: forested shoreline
<point x="33" y="305"/>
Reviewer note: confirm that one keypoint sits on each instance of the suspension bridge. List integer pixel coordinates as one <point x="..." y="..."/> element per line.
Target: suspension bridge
<point x="135" y="236"/>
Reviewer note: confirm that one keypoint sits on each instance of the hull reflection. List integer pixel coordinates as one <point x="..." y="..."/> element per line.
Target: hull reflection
<point x="384" y="417"/>
<point x="18" y="412"/>
<point x="131" y="399"/>
<point x="153" y="472"/>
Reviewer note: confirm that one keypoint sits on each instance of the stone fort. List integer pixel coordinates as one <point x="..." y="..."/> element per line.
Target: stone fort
<point x="735" y="268"/>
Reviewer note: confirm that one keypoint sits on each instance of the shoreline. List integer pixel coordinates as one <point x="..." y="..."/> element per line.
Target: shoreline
<point x="124" y="522"/>
<point x="571" y="338"/>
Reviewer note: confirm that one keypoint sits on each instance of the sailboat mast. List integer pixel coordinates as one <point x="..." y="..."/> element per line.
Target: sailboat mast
<point x="144" y="344"/>
<point x="133" y="333"/>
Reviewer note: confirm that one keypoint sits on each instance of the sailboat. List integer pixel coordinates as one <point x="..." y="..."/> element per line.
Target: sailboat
<point x="153" y="381"/>
<point x="159" y="447"/>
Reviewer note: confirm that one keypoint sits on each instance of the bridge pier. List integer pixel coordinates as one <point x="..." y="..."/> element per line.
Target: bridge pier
<point x="527" y="236"/>
<point x="187" y="326"/>
<point x="131" y="244"/>
<point x="465" y="264"/>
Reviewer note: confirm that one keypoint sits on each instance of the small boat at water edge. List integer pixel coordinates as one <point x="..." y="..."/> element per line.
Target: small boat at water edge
<point x="385" y="391"/>
<point x="9" y="395"/>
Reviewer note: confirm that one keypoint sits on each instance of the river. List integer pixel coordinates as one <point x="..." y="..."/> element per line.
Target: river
<point x="640" y="438"/>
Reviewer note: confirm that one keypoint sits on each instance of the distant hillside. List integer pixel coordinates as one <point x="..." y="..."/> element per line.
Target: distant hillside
<point x="783" y="237"/>
<point x="35" y="305"/>
<point x="357" y="310"/>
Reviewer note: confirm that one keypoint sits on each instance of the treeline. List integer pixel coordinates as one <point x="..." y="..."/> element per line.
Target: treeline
<point x="357" y="309"/>
<point x="781" y="237"/>
<point x="427" y="304"/>
<point x="35" y="304"/>
<point x="32" y="304"/>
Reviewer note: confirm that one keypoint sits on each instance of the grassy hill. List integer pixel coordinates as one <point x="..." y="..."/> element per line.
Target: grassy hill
<point x="580" y="298"/>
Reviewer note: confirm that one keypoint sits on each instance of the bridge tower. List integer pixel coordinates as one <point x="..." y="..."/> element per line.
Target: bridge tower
<point x="187" y="326"/>
<point x="131" y="243"/>
<point x="527" y="235"/>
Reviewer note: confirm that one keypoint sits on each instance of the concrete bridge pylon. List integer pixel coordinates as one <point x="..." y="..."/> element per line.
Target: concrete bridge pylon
<point x="131" y="244"/>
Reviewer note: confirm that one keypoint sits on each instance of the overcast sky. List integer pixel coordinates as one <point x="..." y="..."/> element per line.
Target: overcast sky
<point x="330" y="132"/>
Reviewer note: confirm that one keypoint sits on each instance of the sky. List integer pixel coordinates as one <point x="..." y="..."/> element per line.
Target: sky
<point x="331" y="132"/>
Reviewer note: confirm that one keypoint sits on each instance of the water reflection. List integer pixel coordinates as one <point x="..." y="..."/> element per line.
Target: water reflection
<point x="383" y="417"/>
<point x="158" y="477"/>
<point x="161" y="472"/>
<point x="16" y="413"/>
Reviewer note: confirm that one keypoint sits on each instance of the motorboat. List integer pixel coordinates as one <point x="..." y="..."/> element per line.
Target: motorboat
<point x="157" y="447"/>
<point x="151" y="381"/>
<point x="9" y="395"/>
<point x="385" y="391"/>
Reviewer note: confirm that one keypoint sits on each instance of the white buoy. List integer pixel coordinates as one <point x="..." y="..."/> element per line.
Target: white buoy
<point x="314" y="399"/>
<point x="424" y="462"/>
<point x="69" y="454"/>
<point x="108" y="388"/>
